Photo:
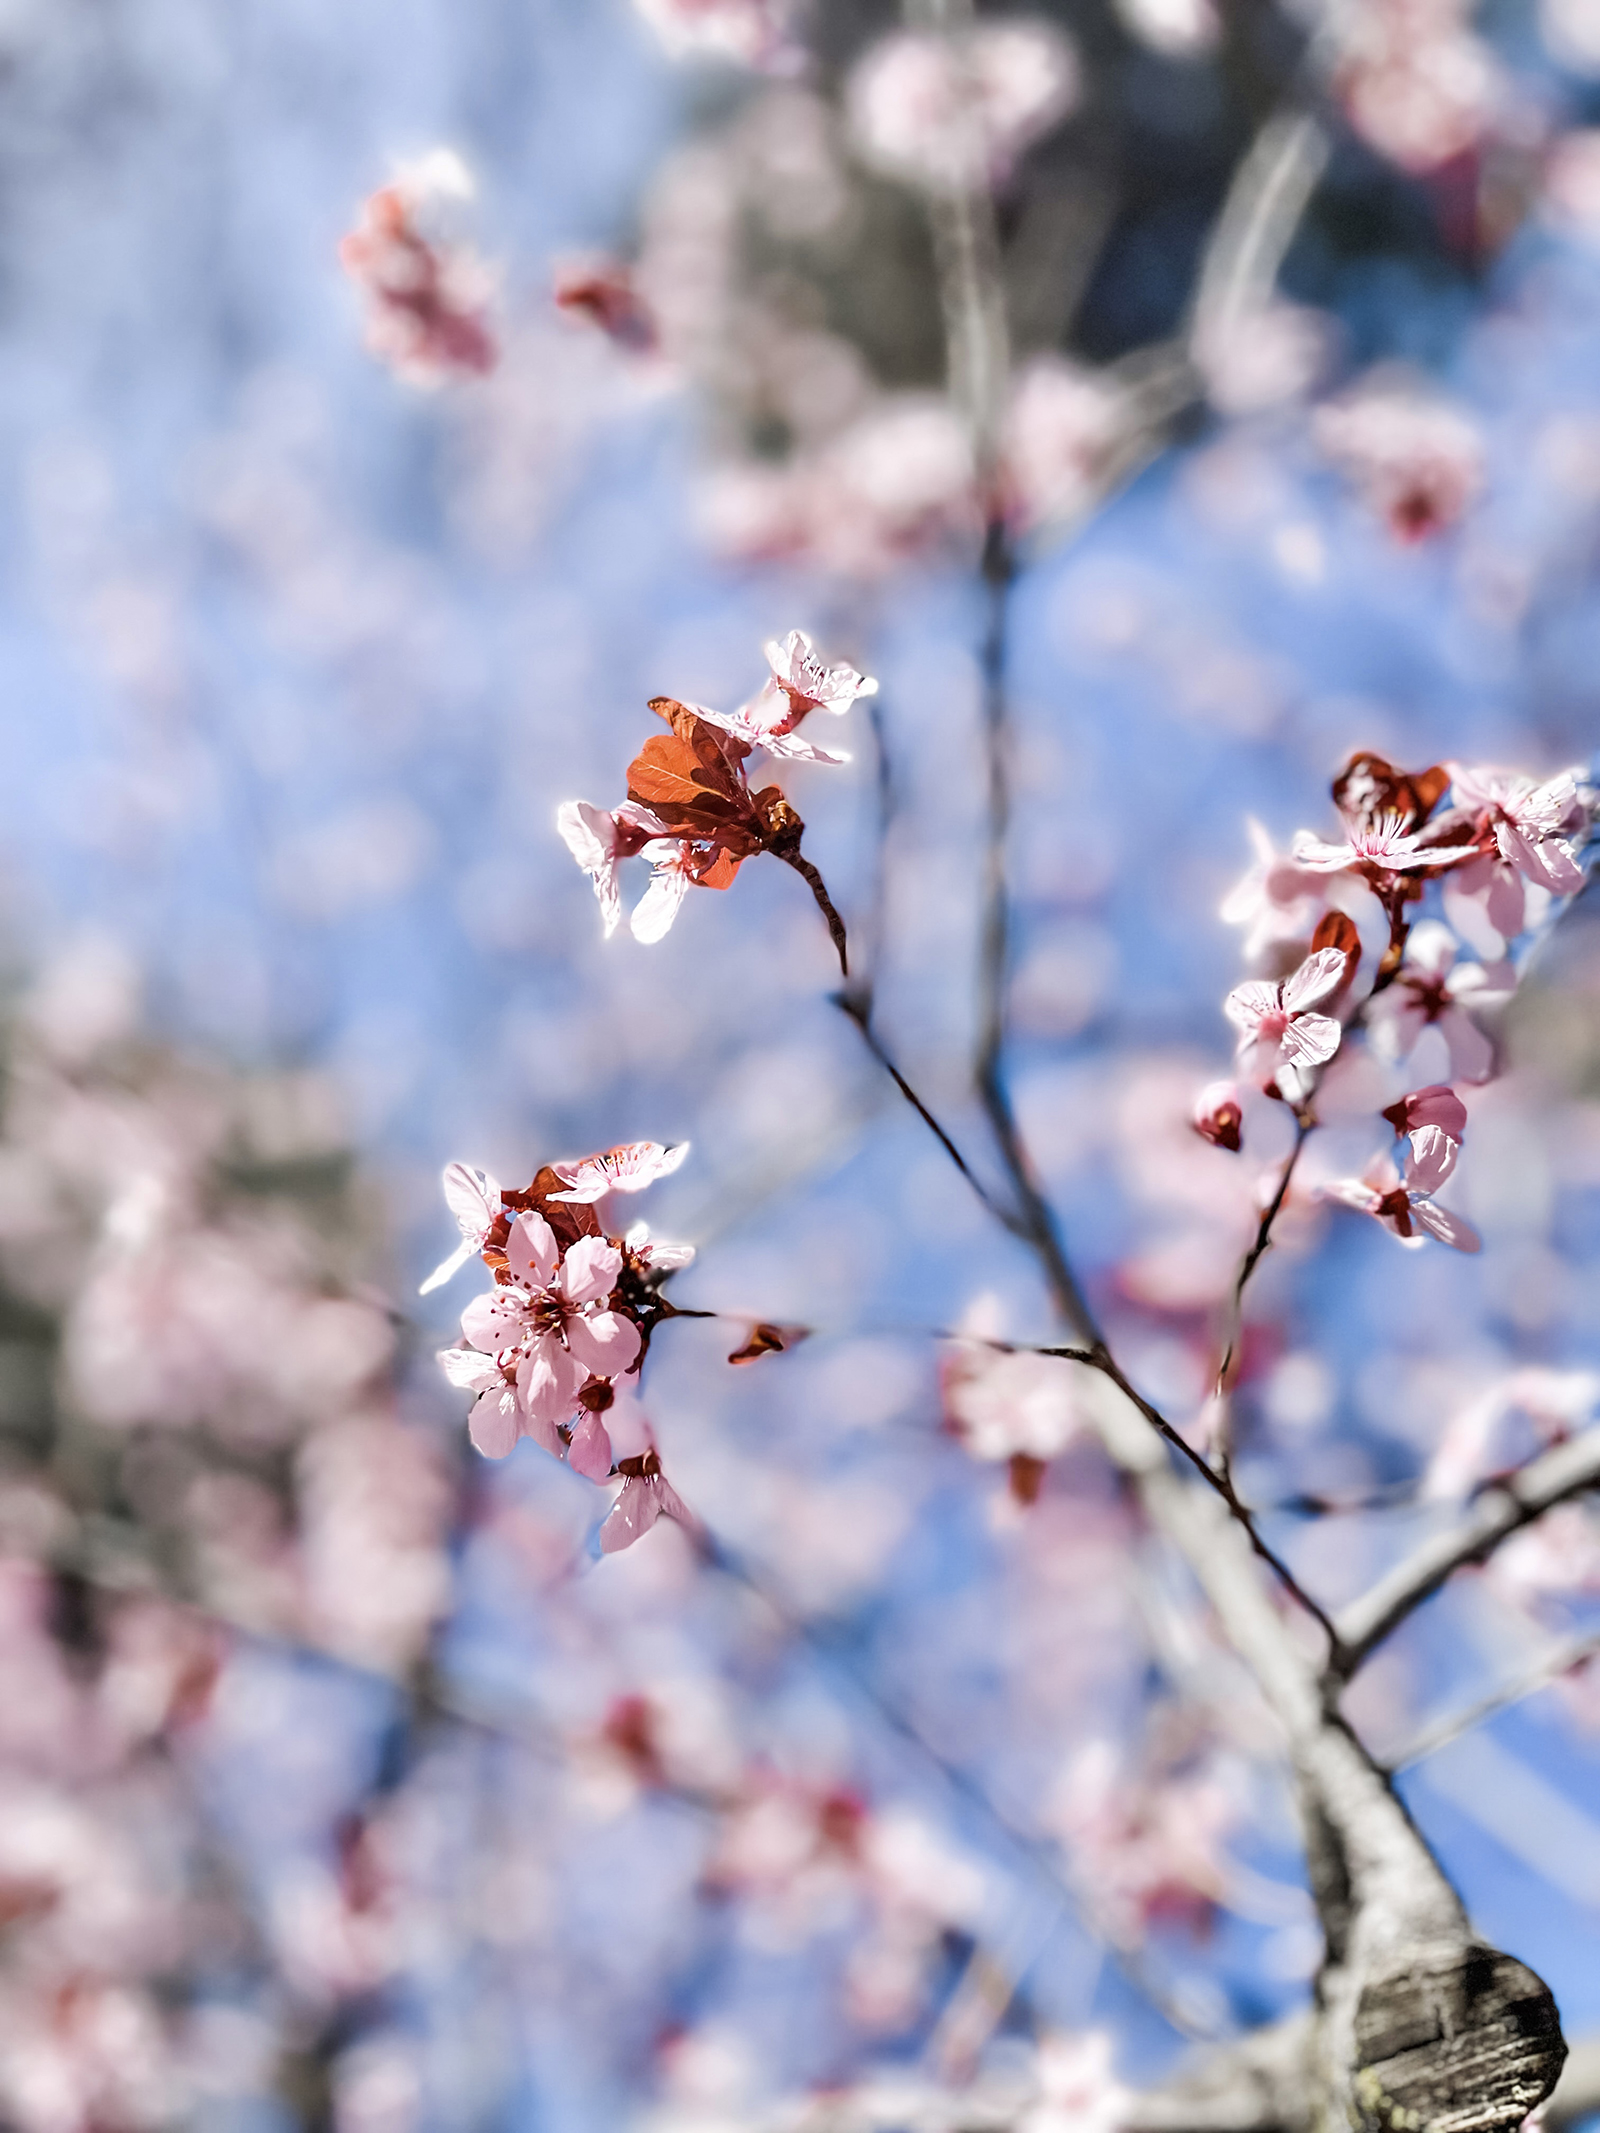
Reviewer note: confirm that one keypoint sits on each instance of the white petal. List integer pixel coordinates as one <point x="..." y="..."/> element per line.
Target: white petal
<point x="442" y="1272"/>
<point x="469" y="1368"/>
<point x="1312" y="1039"/>
<point x="1247" y="1003"/>
<point x="473" y="1197"/>
<point x="1317" y="976"/>
<point x="658" y="907"/>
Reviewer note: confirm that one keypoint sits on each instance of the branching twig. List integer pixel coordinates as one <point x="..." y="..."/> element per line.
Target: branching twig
<point x="1566" y="1470"/>
<point x="1559" y="1659"/>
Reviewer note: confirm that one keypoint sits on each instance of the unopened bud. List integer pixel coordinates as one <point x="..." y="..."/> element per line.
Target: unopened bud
<point x="1218" y="1116"/>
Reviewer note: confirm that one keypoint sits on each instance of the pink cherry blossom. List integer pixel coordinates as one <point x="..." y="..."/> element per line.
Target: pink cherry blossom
<point x="1405" y="1205"/>
<point x="646" y="1496"/>
<point x="751" y="33"/>
<point x="473" y="1197"/>
<point x="598" y="838"/>
<point x="1528" y="822"/>
<point x="1417" y="462"/>
<point x="1062" y="427"/>
<point x="428" y="298"/>
<point x="1489" y="902"/>
<point x="800" y="682"/>
<point x="627" y="1168"/>
<point x="1218" y="1115"/>
<point x="1279" y="899"/>
<point x="1432" y="989"/>
<point x="1387" y="846"/>
<point x="953" y="112"/>
<point x="1416" y="83"/>
<point x="1276" y="1028"/>
<point x="545" y="1333"/>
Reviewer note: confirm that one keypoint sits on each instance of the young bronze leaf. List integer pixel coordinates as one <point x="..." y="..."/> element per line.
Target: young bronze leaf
<point x="1335" y="930"/>
<point x="768" y="1340"/>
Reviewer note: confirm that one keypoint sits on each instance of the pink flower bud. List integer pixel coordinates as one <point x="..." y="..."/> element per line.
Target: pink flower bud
<point x="1218" y="1115"/>
<point x="1436" y="1105"/>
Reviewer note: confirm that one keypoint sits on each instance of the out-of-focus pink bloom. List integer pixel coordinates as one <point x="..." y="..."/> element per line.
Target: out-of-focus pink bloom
<point x="1014" y="1406"/>
<point x="1431" y="988"/>
<point x="628" y="1168"/>
<point x="1279" y="899"/>
<point x="953" y="112"/>
<point x="1219" y="1116"/>
<point x="1416" y="83"/>
<point x="1572" y="182"/>
<point x="1061" y="429"/>
<point x="1275" y="1023"/>
<point x="1528" y="822"/>
<point x="1418" y="463"/>
<point x="1488" y="902"/>
<point x="1151" y="1850"/>
<point x="751" y="33"/>
<point x="1557" y="1559"/>
<point x="646" y="1496"/>
<point x="473" y="1197"/>
<point x="1078" y="2087"/>
<point x="548" y="1330"/>
<point x="1274" y="353"/>
<point x="602" y="291"/>
<point x="1405" y="1205"/>
<point x="1437" y="1105"/>
<point x="1476" y="1441"/>
<point x="428" y="298"/>
<point x="598" y="838"/>
<point x="1387" y="846"/>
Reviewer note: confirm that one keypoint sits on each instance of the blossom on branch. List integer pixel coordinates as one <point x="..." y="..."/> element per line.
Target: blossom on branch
<point x="1279" y="899"/>
<point x="953" y="111"/>
<point x="1530" y="824"/>
<point x="1404" y="1204"/>
<point x="1432" y="990"/>
<point x="427" y="296"/>
<point x="598" y="838"/>
<point x="629" y="1168"/>
<point x="1437" y="1105"/>
<point x="1416" y="462"/>
<point x="1275" y="1024"/>
<point x="646" y="1496"/>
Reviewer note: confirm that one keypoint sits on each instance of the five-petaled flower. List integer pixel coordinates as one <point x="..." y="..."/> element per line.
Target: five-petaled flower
<point x="1404" y="1204"/>
<point x="1529" y="824"/>
<point x="598" y="838"/>
<point x="1387" y="847"/>
<point x="1432" y="989"/>
<point x="1276" y="1027"/>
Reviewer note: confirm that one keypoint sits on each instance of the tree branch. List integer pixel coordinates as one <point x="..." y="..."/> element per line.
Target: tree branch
<point x="1566" y="1470"/>
<point x="1559" y="1659"/>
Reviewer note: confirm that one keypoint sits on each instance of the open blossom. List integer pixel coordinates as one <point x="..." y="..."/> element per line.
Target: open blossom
<point x="1530" y="823"/>
<point x="1062" y="428"/>
<point x="799" y="683"/>
<point x="1404" y="1204"/>
<point x="599" y="838"/>
<point x="1278" y="900"/>
<point x="428" y="297"/>
<point x="1415" y="82"/>
<point x="1387" y="847"/>
<point x="1275" y="1024"/>
<point x="537" y="1341"/>
<point x="629" y="1168"/>
<point x="953" y="112"/>
<point x="1418" y="463"/>
<point x="473" y="1197"/>
<point x="1433" y="990"/>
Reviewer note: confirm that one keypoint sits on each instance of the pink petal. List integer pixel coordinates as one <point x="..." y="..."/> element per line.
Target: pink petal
<point x="1311" y="1039"/>
<point x="630" y="1167"/>
<point x="1430" y="1159"/>
<point x="468" y="1370"/>
<point x="590" y="1270"/>
<point x="604" y="1342"/>
<point x="589" y="1453"/>
<point x="1322" y="858"/>
<point x="495" y="1424"/>
<point x="1448" y="1228"/>
<point x="1247" y="1004"/>
<point x="658" y="907"/>
<point x="497" y="1319"/>
<point x="550" y="1380"/>
<point x="634" y="1513"/>
<point x="1317" y="976"/>
<point x="1471" y="1053"/>
<point x="531" y="1250"/>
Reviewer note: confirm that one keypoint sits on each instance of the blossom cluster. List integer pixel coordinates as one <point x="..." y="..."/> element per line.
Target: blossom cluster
<point x="690" y="811"/>
<point x="551" y="1345"/>
<point x="1499" y="848"/>
<point x="428" y="295"/>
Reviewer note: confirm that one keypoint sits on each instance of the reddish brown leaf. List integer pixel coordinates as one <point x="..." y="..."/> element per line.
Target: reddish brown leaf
<point x="768" y="1340"/>
<point x="1027" y="1476"/>
<point x="719" y="874"/>
<point x="1369" y="788"/>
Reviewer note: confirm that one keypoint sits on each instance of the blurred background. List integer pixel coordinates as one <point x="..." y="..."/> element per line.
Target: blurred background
<point x="342" y="1783"/>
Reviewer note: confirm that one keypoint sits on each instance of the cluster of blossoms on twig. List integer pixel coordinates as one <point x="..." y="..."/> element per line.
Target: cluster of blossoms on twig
<point x="1500" y="847"/>
<point x="549" y="1346"/>
<point x="428" y="295"/>
<point x="690" y="811"/>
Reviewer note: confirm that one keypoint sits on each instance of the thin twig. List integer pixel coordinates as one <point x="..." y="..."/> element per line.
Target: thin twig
<point x="819" y="890"/>
<point x="1567" y="1470"/>
<point x="1558" y="1659"/>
